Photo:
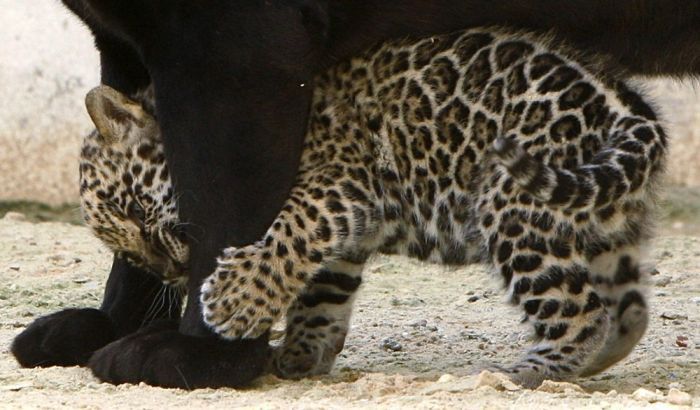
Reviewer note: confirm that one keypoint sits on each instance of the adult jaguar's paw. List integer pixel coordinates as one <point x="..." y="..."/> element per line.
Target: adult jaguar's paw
<point x="246" y="294"/>
<point x="65" y="338"/>
<point x="161" y="356"/>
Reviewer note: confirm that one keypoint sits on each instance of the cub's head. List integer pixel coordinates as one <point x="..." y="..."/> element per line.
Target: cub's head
<point x="126" y="193"/>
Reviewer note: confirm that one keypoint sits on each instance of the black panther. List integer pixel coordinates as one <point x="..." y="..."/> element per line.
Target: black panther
<point x="234" y="149"/>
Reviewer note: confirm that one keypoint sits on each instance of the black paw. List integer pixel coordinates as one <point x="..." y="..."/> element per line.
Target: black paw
<point x="65" y="338"/>
<point x="161" y="356"/>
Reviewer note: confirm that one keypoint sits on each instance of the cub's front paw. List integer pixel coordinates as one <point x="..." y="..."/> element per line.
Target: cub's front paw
<point x="65" y="338"/>
<point x="161" y="356"/>
<point x="244" y="296"/>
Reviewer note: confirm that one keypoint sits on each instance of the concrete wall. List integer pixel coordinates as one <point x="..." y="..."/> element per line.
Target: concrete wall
<point x="48" y="63"/>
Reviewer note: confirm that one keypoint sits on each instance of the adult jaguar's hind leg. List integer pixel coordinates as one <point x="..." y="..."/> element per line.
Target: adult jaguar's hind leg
<point x="619" y="280"/>
<point x="535" y="250"/>
<point x="318" y="322"/>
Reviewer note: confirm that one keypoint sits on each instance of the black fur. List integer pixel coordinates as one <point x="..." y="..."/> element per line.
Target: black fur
<point x="648" y="37"/>
<point x="161" y="356"/>
<point x="69" y="337"/>
<point x="59" y="338"/>
<point x="228" y="75"/>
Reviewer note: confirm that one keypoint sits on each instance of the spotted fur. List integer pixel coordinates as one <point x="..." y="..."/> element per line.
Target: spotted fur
<point x="479" y="146"/>
<point x="126" y="194"/>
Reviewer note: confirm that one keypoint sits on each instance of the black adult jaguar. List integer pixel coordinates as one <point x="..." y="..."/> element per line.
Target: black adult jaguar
<point x="243" y="66"/>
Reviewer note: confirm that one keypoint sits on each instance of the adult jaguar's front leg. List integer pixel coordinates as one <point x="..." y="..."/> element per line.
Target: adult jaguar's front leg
<point x="69" y="337"/>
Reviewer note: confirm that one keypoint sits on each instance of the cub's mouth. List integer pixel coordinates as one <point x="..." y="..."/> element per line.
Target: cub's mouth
<point x="165" y="268"/>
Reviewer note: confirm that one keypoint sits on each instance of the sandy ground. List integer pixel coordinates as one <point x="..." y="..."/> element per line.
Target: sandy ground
<point x="442" y="324"/>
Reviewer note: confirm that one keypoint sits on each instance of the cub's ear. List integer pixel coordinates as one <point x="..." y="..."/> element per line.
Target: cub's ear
<point x="113" y="113"/>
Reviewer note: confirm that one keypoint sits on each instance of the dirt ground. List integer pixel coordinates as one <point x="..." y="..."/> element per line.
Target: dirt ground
<point x="419" y="335"/>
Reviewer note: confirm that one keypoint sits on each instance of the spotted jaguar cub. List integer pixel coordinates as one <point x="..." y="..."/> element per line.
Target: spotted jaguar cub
<point x="480" y="146"/>
<point x="126" y="194"/>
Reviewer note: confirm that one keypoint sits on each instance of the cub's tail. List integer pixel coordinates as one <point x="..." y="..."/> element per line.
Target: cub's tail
<point x="628" y="161"/>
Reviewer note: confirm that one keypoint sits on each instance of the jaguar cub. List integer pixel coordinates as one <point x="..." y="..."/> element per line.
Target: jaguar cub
<point x="126" y="195"/>
<point x="480" y="146"/>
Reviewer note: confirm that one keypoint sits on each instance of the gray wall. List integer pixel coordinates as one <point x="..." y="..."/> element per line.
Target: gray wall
<point x="48" y="63"/>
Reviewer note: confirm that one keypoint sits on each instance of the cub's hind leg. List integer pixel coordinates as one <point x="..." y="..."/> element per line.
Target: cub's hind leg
<point x="535" y="250"/>
<point x="318" y="321"/>
<point x="619" y="280"/>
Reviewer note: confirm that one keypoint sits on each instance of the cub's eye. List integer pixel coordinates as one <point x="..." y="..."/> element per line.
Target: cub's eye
<point x="136" y="211"/>
<point x="180" y="232"/>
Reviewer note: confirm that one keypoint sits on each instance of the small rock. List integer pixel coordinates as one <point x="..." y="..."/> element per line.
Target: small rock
<point x="612" y="393"/>
<point x="498" y="381"/>
<point x="446" y="378"/>
<point x="473" y="299"/>
<point x="679" y="398"/>
<point x="674" y="316"/>
<point x="432" y="328"/>
<point x="17" y="386"/>
<point x="14" y="267"/>
<point x="419" y="323"/>
<point x="648" y="396"/>
<point x="549" y="386"/>
<point x="682" y="341"/>
<point x="695" y="300"/>
<point x="14" y="216"/>
<point x="391" y="344"/>
<point x="81" y="280"/>
<point x="662" y="281"/>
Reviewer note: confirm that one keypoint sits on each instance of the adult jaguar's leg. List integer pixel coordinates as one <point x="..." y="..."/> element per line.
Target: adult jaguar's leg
<point x="132" y="298"/>
<point x="318" y="322"/>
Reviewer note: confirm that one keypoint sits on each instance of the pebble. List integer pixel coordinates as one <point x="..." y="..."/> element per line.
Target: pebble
<point x="473" y="299"/>
<point x="648" y="396"/>
<point x="446" y="378"/>
<point x="14" y="216"/>
<point x="662" y="281"/>
<point x="498" y="381"/>
<point x="419" y="323"/>
<point x="682" y="341"/>
<point x="549" y="386"/>
<point x="14" y="267"/>
<point x="674" y="316"/>
<point x="695" y="300"/>
<point x="679" y="398"/>
<point x="17" y="386"/>
<point x="391" y="344"/>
